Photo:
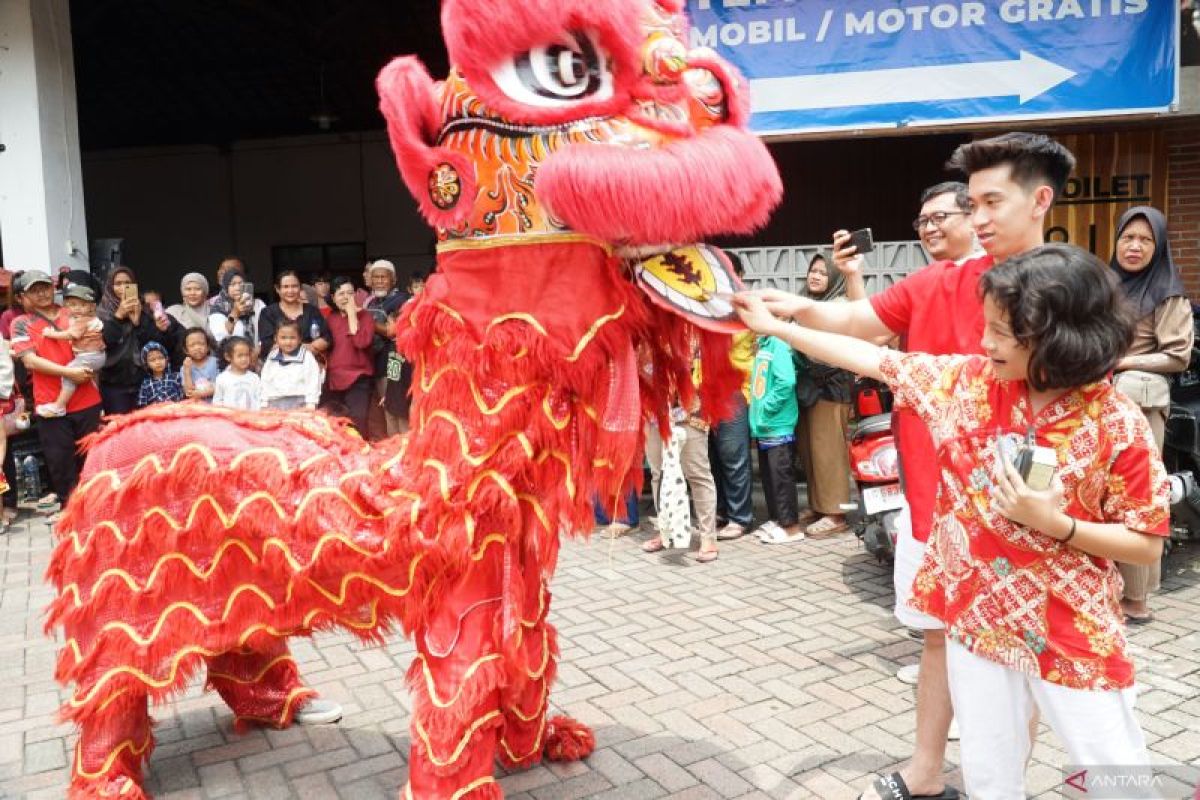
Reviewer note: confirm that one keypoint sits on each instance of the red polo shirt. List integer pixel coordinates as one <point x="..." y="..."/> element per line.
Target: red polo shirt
<point x="936" y="310"/>
<point x="27" y="338"/>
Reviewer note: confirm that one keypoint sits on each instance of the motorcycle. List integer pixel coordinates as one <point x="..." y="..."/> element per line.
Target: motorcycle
<point x="1181" y="449"/>
<point x="874" y="465"/>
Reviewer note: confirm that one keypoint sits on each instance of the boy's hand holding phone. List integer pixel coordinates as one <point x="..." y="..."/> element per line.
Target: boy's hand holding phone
<point x="1015" y="500"/>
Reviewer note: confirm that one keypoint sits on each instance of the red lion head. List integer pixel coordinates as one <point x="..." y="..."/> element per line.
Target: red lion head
<point x="589" y="118"/>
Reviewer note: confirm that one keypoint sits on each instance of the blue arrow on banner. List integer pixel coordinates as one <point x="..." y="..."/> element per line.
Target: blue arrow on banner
<point x="885" y="63"/>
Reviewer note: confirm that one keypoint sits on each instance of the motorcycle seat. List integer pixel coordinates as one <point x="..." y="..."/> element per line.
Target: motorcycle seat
<point x="874" y="424"/>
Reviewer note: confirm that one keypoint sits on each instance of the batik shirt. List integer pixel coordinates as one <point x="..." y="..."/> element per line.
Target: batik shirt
<point x="167" y="389"/>
<point x="1008" y="593"/>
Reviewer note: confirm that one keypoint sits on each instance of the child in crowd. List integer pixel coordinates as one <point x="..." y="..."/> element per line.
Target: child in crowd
<point x="200" y="367"/>
<point x="291" y="376"/>
<point x="87" y="343"/>
<point x="773" y="415"/>
<point x="161" y="385"/>
<point x="237" y="386"/>
<point x="1024" y="579"/>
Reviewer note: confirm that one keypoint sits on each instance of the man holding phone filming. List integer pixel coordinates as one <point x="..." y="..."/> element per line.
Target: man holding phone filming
<point x="1013" y="181"/>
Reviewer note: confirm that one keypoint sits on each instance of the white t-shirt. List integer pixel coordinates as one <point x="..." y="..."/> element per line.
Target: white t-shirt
<point x="238" y="391"/>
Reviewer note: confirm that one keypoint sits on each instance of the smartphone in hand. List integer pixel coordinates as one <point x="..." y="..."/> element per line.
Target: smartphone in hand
<point x="862" y="241"/>
<point x="131" y="291"/>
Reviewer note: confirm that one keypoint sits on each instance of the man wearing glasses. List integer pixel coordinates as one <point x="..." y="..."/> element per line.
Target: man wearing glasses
<point x="944" y="227"/>
<point x="1013" y="181"/>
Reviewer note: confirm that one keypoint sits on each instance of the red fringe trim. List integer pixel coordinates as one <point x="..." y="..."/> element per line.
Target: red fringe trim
<point x="568" y="739"/>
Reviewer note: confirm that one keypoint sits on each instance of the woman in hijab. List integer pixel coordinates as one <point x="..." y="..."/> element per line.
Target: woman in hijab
<point x="234" y="312"/>
<point x="1162" y="344"/>
<point x="192" y="311"/>
<point x="824" y="395"/>
<point x="128" y="327"/>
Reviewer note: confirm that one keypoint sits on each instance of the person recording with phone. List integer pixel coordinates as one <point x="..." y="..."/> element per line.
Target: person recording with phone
<point x="943" y="225"/>
<point x="128" y="327"/>
<point x="1012" y="183"/>
<point x="1024" y="580"/>
<point x="234" y="311"/>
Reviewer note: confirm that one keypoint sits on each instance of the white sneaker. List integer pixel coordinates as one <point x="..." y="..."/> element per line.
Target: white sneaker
<point x="318" y="711"/>
<point x="50" y="411"/>
<point x="909" y="674"/>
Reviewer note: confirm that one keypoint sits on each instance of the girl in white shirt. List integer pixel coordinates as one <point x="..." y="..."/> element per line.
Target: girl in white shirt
<point x="237" y="386"/>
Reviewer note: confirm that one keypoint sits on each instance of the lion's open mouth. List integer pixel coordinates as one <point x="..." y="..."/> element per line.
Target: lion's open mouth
<point x="695" y="281"/>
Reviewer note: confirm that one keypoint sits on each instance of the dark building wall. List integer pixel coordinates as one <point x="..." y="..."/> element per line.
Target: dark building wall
<point x="854" y="183"/>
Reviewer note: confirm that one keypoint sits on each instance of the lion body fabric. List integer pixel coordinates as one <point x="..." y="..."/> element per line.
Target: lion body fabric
<point x="204" y="537"/>
<point x="181" y="551"/>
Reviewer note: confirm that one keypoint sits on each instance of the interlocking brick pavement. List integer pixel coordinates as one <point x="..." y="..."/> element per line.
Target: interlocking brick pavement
<point x="767" y="674"/>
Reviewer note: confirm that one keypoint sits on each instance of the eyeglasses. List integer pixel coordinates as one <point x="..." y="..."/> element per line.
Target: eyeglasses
<point x="938" y="218"/>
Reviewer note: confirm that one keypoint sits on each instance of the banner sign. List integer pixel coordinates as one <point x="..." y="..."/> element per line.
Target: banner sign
<point x="828" y="64"/>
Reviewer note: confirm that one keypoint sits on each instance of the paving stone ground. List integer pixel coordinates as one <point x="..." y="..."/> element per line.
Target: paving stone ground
<point x="767" y="674"/>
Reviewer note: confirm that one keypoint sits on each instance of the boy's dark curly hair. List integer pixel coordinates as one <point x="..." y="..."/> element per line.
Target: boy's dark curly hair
<point x="1064" y="304"/>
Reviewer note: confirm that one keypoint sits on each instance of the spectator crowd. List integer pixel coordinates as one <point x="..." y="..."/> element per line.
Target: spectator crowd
<point x="76" y="348"/>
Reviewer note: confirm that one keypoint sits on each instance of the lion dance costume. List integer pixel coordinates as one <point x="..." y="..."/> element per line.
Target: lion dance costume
<point x="573" y="156"/>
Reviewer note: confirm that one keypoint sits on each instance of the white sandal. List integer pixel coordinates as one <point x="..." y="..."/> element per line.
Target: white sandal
<point x="766" y="531"/>
<point x="779" y="535"/>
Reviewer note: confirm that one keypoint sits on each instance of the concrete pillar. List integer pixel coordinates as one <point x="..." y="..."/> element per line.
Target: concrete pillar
<point x="42" y="223"/>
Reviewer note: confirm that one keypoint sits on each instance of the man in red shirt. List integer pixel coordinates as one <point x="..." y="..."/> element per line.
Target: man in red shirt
<point x="1013" y="181"/>
<point x="46" y="361"/>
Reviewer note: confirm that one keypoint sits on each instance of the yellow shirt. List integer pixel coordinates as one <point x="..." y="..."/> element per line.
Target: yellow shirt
<point x="742" y="356"/>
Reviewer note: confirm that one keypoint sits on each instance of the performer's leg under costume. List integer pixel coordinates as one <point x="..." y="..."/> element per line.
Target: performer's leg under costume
<point x="114" y="742"/>
<point x="455" y="683"/>
<point x="262" y="686"/>
<point x="531" y="671"/>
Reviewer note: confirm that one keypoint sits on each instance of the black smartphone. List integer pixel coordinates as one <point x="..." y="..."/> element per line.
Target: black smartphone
<point x="862" y="241"/>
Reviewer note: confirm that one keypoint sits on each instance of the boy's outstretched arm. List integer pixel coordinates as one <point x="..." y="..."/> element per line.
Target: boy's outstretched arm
<point x="856" y="355"/>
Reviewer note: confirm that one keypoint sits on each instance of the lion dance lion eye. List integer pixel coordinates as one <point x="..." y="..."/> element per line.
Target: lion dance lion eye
<point x="558" y="74"/>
